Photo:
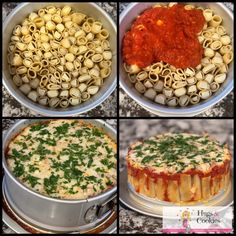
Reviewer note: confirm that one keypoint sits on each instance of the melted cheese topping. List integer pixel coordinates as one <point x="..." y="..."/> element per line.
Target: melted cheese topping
<point x="178" y="153"/>
<point x="68" y="159"/>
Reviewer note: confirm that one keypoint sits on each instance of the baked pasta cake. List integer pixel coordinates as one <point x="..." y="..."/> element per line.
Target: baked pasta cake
<point x="67" y="159"/>
<point x="179" y="167"/>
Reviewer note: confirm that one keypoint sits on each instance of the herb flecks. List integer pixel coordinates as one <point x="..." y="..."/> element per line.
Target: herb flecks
<point x="50" y="184"/>
<point x="33" y="168"/>
<point x="19" y="169"/>
<point x="108" y="163"/>
<point x="96" y="132"/>
<point x="77" y="155"/>
<point x="38" y="127"/>
<point x="32" y="180"/>
<point x="42" y="151"/>
<point x="63" y="129"/>
<point x="171" y="150"/>
<point x="147" y="159"/>
<point x="19" y="155"/>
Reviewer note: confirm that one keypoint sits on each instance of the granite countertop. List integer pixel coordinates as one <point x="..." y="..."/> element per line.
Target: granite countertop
<point x="131" y="130"/>
<point x="6" y="124"/>
<point x="130" y="108"/>
<point x="12" y="107"/>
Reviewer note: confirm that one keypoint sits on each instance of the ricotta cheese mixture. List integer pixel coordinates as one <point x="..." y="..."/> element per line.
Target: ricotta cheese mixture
<point x="178" y="153"/>
<point x="67" y="159"/>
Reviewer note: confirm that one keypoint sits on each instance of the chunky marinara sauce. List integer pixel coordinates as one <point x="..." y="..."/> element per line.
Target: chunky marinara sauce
<point x="166" y="34"/>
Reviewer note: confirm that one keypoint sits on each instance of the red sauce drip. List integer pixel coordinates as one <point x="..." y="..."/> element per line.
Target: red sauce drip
<point x="165" y="183"/>
<point x="162" y="175"/>
<point x="216" y="170"/>
<point x="165" y="34"/>
<point x="211" y="182"/>
<point x="147" y="182"/>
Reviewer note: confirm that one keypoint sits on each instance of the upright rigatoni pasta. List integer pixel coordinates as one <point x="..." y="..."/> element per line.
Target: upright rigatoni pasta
<point x="59" y="57"/>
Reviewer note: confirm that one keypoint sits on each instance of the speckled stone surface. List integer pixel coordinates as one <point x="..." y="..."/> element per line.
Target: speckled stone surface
<point x="6" y="124"/>
<point x="11" y="107"/>
<point x="130" y="130"/>
<point x="130" y="108"/>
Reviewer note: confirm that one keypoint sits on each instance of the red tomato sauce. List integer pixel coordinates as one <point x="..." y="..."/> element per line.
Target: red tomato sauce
<point x="217" y="171"/>
<point x="166" y="34"/>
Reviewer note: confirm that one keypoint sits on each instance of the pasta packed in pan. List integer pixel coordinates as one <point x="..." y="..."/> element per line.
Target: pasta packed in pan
<point x="177" y="55"/>
<point x="59" y="57"/>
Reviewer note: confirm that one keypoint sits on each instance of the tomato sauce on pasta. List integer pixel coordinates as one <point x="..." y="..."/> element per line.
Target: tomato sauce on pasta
<point x="165" y="34"/>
